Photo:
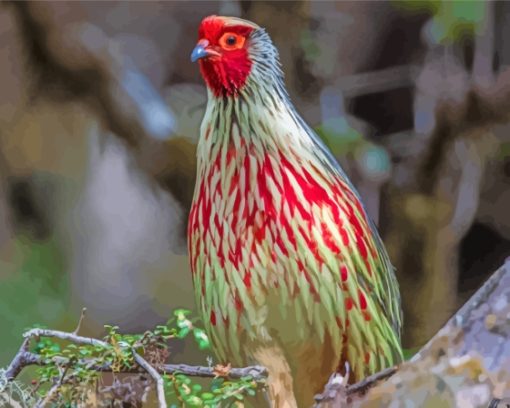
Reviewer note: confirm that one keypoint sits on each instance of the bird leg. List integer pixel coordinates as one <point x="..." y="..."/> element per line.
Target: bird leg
<point x="280" y="385"/>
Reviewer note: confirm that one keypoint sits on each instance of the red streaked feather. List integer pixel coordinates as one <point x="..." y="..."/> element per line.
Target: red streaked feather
<point x="343" y="273"/>
<point x="311" y="190"/>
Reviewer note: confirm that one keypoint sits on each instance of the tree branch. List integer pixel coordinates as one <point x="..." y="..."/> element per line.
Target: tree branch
<point x="478" y="327"/>
<point x="155" y="376"/>
<point x="22" y="359"/>
<point x="82" y="316"/>
<point x="470" y="351"/>
<point x="25" y="358"/>
<point x="34" y="333"/>
<point x="49" y="395"/>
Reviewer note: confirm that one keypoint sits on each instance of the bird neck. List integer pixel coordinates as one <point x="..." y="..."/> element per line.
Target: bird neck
<point x="257" y="121"/>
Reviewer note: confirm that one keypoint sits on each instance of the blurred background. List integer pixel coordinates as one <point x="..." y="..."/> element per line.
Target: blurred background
<point x="100" y="108"/>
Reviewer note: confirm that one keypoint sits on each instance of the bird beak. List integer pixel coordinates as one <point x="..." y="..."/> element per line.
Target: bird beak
<point x="202" y="50"/>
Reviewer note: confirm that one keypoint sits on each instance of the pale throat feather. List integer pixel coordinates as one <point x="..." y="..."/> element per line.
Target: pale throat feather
<point x="256" y="125"/>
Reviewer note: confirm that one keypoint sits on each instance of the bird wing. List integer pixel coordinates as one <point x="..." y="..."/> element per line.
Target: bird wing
<point x="390" y="302"/>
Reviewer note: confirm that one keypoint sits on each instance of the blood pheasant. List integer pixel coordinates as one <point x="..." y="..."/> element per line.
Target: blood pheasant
<point x="288" y="270"/>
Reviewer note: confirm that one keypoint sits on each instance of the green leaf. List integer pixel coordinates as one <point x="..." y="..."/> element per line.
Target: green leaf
<point x="55" y="348"/>
<point x="207" y="396"/>
<point x="181" y="313"/>
<point x="201" y="338"/>
<point x="183" y="332"/>
<point x="194" y="401"/>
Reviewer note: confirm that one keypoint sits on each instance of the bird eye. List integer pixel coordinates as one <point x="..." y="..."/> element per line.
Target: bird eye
<point x="231" y="41"/>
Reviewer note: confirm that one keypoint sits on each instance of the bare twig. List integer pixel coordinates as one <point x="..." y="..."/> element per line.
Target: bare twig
<point x="49" y="396"/>
<point x="155" y="376"/>
<point x="258" y="373"/>
<point x="370" y="381"/>
<point x="20" y="360"/>
<point x="54" y="389"/>
<point x="25" y="359"/>
<point x="82" y="316"/>
<point x="335" y="390"/>
<point x="33" y="333"/>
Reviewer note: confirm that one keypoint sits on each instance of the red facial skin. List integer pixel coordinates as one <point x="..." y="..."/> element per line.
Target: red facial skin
<point x="225" y="74"/>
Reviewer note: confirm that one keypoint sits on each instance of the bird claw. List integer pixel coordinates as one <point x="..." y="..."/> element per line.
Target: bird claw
<point x="336" y="386"/>
<point x="338" y="379"/>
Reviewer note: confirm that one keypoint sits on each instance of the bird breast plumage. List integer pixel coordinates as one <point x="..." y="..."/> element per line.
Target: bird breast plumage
<point x="275" y="241"/>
